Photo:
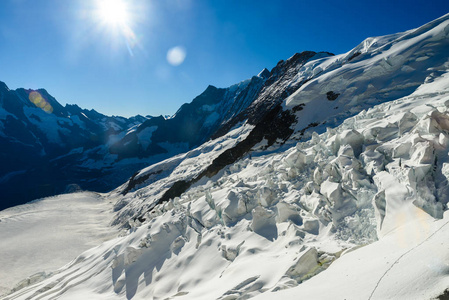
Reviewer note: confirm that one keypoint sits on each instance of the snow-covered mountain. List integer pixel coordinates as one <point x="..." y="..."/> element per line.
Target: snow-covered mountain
<point x="51" y="149"/>
<point x="44" y="142"/>
<point x="330" y="182"/>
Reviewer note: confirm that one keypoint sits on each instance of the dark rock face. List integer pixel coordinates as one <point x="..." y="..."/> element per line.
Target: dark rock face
<point x="444" y="296"/>
<point x="275" y="125"/>
<point x="331" y="96"/>
<point x="278" y="86"/>
<point x="354" y="56"/>
<point x="265" y="74"/>
<point x="134" y="180"/>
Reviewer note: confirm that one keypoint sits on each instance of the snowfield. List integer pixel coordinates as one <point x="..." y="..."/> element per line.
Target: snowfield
<point x="354" y="205"/>
<point x="40" y="237"/>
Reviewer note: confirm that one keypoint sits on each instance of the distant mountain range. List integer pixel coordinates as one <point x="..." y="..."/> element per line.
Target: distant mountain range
<point x="49" y="149"/>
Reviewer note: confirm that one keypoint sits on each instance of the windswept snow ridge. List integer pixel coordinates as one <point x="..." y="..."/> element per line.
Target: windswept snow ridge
<point x="338" y="191"/>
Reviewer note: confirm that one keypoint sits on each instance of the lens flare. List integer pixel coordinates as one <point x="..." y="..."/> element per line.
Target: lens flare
<point x="37" y="99"/>
<point x="176" y="55"/>
<point x="130" y="38"/>
<point x="410" y="233"/>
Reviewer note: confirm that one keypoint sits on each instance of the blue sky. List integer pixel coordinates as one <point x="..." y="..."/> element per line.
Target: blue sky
<point x="70" y="49"/>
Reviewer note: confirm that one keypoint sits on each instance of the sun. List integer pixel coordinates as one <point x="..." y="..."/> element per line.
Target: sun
<point x="116" y="20"/>
<point x="113" y="12"/>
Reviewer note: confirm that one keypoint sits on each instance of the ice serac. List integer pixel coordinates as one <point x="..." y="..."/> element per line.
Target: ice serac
<point x="331" y="183"/>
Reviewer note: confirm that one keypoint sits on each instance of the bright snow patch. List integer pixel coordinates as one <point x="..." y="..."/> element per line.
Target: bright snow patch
<point x="145" y="135"/>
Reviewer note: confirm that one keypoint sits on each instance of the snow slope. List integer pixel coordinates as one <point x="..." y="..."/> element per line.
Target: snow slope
<point x="351" y="205"/>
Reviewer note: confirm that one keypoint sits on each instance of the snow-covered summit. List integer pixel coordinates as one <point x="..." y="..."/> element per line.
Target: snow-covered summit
<point x="331" y="183"/>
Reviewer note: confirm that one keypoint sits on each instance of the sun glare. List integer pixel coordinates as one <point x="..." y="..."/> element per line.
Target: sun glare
<point x="118" y="18"/>
<point x="113" y="12"/>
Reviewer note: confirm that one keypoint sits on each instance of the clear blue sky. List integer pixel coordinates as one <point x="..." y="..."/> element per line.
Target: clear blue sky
<point x="82" y="55"/>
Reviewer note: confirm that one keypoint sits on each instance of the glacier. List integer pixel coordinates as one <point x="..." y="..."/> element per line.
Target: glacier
<point x="331" y="184"/>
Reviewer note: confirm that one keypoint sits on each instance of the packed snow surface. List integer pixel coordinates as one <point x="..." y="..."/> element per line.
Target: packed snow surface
<point x="354" y="211"/>
<point x="40" y="237"/>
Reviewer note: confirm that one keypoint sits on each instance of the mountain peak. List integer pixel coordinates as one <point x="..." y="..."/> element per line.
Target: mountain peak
<point x="210" y="88"/>
<point x="264" y="73"/>
<point x="3" y="86"/>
